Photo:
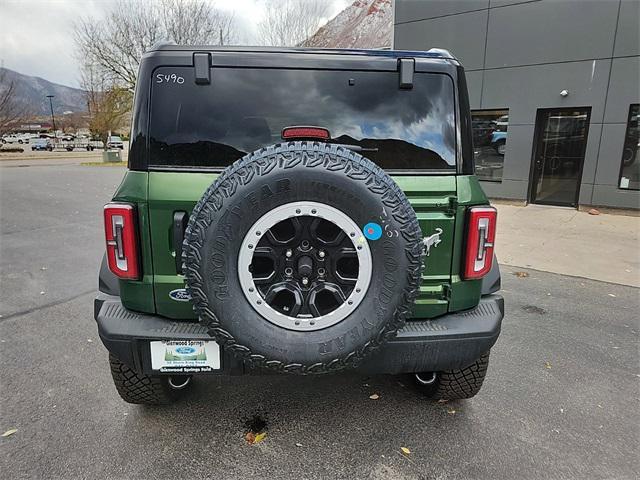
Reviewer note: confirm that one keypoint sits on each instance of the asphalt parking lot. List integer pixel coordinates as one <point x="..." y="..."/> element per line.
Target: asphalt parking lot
<point x="561" y="399"/>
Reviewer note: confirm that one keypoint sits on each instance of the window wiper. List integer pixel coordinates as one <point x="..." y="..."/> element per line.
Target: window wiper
<point x="355" y="148"/>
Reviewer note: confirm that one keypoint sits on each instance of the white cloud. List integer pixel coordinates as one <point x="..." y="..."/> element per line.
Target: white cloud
<point x="36" y="36"/>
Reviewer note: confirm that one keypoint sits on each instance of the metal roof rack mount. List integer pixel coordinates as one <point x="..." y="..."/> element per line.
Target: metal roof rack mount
<point x="442" y="52"/>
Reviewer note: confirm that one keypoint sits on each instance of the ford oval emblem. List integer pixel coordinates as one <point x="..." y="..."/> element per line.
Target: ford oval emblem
<point x="180" y="295"/>
<point x="185" y="350"/>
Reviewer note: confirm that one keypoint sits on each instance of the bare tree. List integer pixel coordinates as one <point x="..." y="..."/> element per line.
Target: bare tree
<point x="115" y="43"/>
<point x="11" y="110"/>
<point x="288" y="23"/>
<point x="108" y="104"/>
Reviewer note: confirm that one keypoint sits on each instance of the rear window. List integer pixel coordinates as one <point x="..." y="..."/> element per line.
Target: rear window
<point x="243" y="109"/>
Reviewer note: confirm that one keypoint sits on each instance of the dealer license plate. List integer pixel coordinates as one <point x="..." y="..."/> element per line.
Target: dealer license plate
<point x="185" y="356"/>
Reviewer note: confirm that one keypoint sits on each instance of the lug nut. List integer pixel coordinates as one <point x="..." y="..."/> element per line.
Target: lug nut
<point x="321" y="253"/>
<point x="305" y="281"/>
<point x="289" y="253"/>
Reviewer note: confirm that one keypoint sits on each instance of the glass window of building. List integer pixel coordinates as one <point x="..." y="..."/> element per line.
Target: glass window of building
<point x="630" y="168"/>
<point x="489" y="142"/>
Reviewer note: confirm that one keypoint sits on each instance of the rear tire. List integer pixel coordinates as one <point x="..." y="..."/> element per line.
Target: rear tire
<point x="143" y="389"/>
<point x="457" y="384"/>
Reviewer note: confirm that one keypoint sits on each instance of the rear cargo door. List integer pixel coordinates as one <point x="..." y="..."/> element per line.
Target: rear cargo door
<point x="172" y="193"/>
<point x="198" y="127"/>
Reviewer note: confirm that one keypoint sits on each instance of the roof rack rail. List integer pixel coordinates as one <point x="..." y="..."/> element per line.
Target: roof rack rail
<point x="161" y="43"/>
<point x="442" y="52"/>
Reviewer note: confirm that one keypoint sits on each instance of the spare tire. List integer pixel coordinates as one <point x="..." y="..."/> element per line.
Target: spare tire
<point x="303" y="257"/>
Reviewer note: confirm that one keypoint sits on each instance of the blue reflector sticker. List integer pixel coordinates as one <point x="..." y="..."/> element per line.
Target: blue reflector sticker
<point x="372" y="231"/>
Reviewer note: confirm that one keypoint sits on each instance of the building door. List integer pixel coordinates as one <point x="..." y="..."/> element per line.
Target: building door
<point x="558" y="156"/>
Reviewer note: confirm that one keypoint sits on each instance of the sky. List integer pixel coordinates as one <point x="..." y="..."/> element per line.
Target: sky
<point x="36" y="36"/>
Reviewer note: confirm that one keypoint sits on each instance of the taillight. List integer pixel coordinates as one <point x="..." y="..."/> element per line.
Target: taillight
<point x="319" y="133"/>
<point x="481" y="234"/>
<point x="122" y="240"/>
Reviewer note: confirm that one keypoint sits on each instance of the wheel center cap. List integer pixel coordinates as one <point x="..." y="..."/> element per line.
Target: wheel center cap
<point x="305" y="266"/>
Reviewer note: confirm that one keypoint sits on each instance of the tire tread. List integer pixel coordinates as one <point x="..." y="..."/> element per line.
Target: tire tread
<point x="461" y="383"/>
<point x="138" y="388"/>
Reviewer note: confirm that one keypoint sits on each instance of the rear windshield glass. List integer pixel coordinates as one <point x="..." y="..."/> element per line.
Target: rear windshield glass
<point x="244" y="109"/>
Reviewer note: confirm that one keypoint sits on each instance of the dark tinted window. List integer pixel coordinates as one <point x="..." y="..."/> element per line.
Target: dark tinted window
<point x="630" y="168"/>
<point x="245" y="109"/>
<point x="489" y="142"/>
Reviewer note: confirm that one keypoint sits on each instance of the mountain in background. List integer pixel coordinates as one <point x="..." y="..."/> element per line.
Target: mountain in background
<point x="364" y="24"/>
<point x="32" y="92"/>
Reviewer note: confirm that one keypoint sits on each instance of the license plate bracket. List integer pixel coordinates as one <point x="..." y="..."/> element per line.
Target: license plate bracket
<point x="185" y="356"/>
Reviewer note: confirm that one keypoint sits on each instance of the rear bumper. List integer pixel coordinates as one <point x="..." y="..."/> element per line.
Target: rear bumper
<point x="451" y="341"/>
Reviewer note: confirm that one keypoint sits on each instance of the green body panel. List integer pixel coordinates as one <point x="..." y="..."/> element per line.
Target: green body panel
<point x="439" y="202"/>
<point x="170" y="193"/>
<point x="138" y="295"/>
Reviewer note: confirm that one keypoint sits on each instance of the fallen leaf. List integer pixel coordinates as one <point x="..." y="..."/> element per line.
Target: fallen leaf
<point x="9" y="432"/>
<point x="375" y="396"/>
<point x="252" y="438"/>
<point x="451" y="411"/>
<point x="405" y="450"/>
<point x="594" y="211"/>
<point x="521" y="274"/>
<point x="547" y="365"/>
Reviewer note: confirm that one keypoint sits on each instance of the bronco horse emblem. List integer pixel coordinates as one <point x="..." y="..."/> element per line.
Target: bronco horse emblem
<point x="432" y="241"/>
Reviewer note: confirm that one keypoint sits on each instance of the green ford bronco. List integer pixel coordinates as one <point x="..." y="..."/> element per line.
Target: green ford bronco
<point x="299" y="211"/>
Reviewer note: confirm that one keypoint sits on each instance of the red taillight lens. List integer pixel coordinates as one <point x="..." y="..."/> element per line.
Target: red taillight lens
<point x="289" y="133"/>
<point x="121" y="234"/>
<point x="481" y="234"/>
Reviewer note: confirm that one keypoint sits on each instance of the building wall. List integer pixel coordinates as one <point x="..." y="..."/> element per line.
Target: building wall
<point x="520" y="54"/>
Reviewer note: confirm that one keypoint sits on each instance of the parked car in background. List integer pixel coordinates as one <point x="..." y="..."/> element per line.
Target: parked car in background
<point x="20" y="138"/>
<point x="40" y="144"/>
<point x="115" y="142"/>
<point x="90" y="145"/>
<point x="499" y="141"/>
<point x="502" y="123"/>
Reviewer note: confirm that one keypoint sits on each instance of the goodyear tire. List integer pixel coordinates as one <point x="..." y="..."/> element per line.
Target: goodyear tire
<point x="140" y="389"/>
<point x="456" y="384"/>
<point x="303" y="257"/>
